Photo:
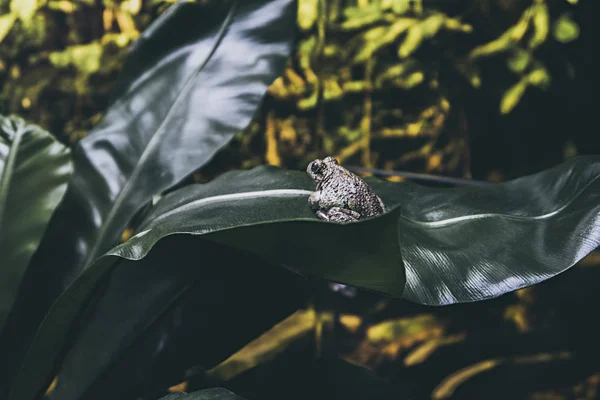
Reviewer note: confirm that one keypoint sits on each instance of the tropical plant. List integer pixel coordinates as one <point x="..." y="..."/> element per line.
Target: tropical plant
<point x="100" y="315"/>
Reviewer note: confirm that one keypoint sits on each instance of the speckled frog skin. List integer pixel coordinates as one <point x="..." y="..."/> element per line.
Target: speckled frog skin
<point x="340" y="195"/>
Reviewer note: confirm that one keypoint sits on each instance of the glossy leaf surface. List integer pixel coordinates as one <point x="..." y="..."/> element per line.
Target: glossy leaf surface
<point x="192" y="81"/>
<point x="34" y="170"/>
<point x="458" y="245"/>
<point x="264" y="211"/>
<point x="474" y="243"/>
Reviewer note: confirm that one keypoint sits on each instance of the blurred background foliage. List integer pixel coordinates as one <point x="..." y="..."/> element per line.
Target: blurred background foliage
<point x="395" y="84"/>
<point x="484" y="89"/>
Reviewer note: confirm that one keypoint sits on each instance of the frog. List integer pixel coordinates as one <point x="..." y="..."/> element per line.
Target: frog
<point x="340" y="195"/>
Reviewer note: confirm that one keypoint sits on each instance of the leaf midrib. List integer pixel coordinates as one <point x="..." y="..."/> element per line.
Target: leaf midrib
<point x="6" y="177"/>
<point x="233" y="196"/>
<point x="464" y="218"/>
<point x="155" y="140"/>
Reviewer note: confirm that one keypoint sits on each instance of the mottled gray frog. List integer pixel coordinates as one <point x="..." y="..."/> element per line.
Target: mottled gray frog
<point x="340" y="195"/>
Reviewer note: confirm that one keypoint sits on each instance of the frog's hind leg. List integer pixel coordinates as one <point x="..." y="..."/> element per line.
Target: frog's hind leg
<point x="321" y="215"/>
<point x="338" y="214"/>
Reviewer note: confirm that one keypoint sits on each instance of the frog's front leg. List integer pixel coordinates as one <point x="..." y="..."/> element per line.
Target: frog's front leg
<point x="338" y="214"/>
<point x="314" y="199"/>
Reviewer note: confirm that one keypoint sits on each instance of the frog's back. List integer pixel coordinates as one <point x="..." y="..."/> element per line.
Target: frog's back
<point x="359" y="195"/>
<point x="369" y="204"/>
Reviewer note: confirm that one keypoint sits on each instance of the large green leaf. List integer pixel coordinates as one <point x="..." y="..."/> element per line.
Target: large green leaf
<point x="264" y="210"/>
<point x="458" y="245"/>
<point x="34" y="170"/>
<point x="474" y="243"/>
<point x="209" y="302"/>
<point x="193" y="80"/>
<point x="206" y="394"/>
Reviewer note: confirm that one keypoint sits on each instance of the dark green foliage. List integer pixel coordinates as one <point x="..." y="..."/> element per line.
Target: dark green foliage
<point x="34" y="170"/>
<point x="179" y="100"/>
<point x="212" y="266"/>
<point x="454" y="242"/>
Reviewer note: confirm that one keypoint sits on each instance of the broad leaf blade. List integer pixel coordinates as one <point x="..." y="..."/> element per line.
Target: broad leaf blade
<point x="469" y="244"/>
<point x="458" y="245"/>
<point x="200" y="75"/>
<point x="193" y="80"/>
<point x="34" y="170"/>
<point x="195" y="306"/>
<point x="495" y="239"/>
<point x="264" y="211"/>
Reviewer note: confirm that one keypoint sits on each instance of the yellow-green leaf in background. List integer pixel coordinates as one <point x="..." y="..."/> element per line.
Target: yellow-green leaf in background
<point x="361" y="17"/>
<point x="541" y="24"/>
<point x="378" y="41"/>
<point x="62" y="5"/>
<point x="398" y="27"/>
<point x="120" y="39"/>
<point x="469" y="71"/>
<point x="401" y="6"/>
<point x="503" y="43"/>
<point x="23" y="9"/>
<point x="309" y="102"/>
<point x="358" y="12"/>
<point x="307" y="13"/>
<point x="6" y="22"/>
<point x="412" y="80"/>
<point x="512" y="96"/>
<point x="85" y="58"/>
<point x="132" y="7"/>
<point x="565" y="29"/>
<point x="453" y="24"/>
<point x="396" y="71"/>
<point x="332" y="89"/>
<point x="305" y="50"/>
<point x="427" y="29"/>
<point x="431" y="25"/>
<point x="399" y="328"/>
<point x="539" y="77"/>
<point x="268" y="345"/>
<point x="519" y="30"/>
<point x="411" y="42"/>
<point x="397" y="6"/>
<point x="373" y="33"/>
<point x="519" y="60"/>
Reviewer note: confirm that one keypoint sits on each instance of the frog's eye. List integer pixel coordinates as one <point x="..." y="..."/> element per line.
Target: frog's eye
<point x="314" y="166"/>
